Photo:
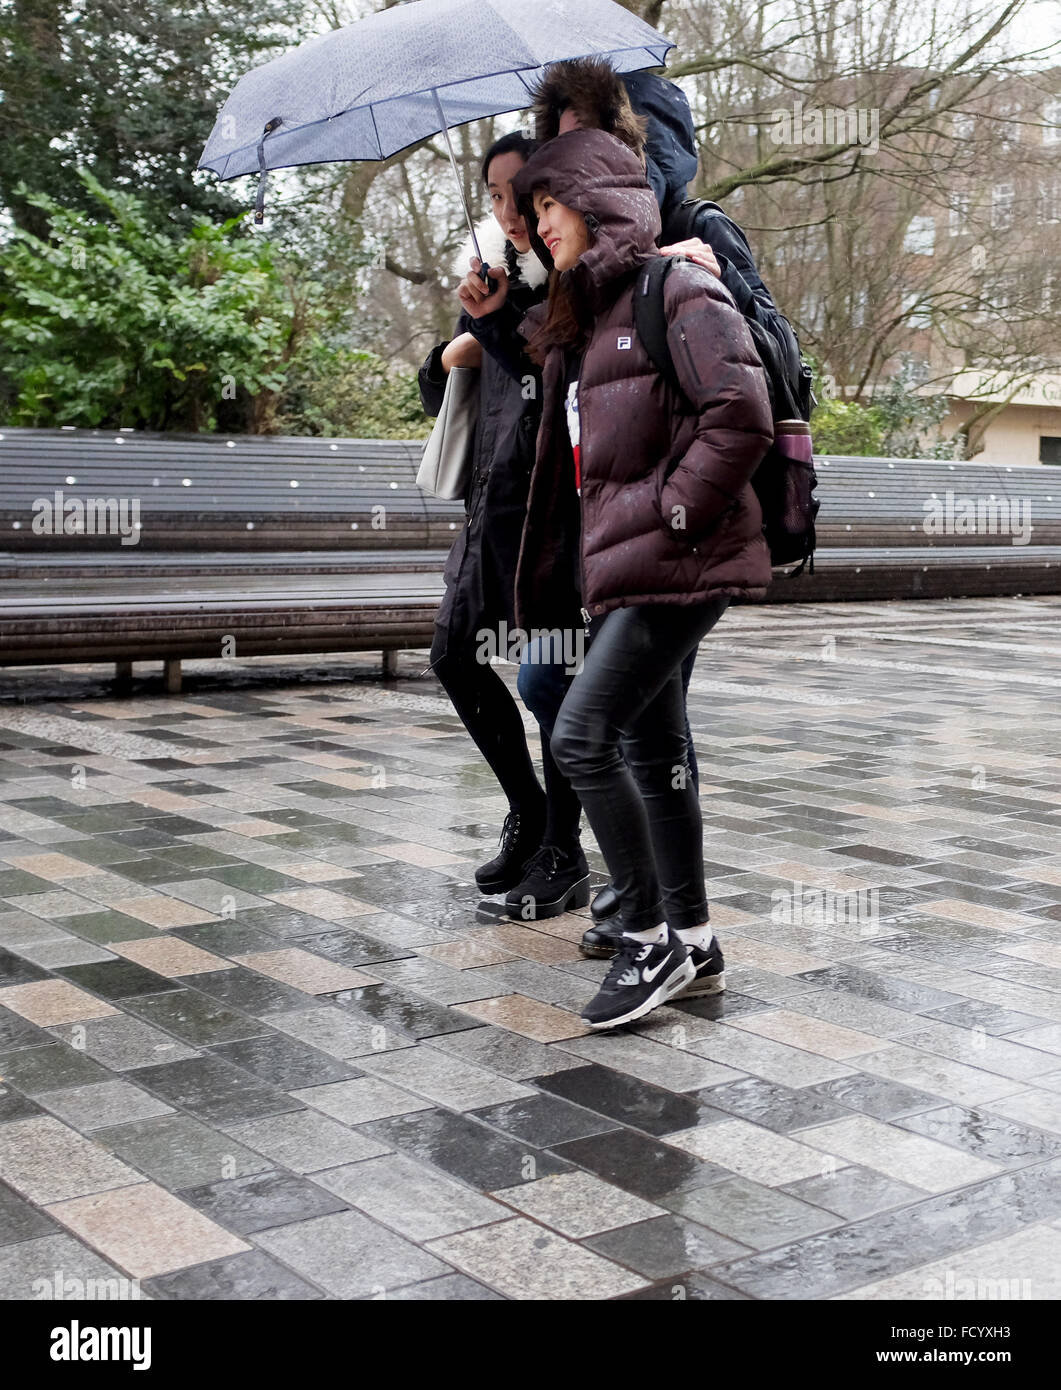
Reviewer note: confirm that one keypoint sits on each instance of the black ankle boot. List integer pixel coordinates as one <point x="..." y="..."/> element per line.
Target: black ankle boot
<point x="521" y="837"/>
<point x="603" y="938"/>
<point x="553" y="882"/>
<point x="606" y="904"/>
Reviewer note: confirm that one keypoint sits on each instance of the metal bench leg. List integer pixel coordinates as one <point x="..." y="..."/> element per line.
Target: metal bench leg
<point x="123" y="675"/>
<point x="390" y="662"/>
<point x="172" y="670"/>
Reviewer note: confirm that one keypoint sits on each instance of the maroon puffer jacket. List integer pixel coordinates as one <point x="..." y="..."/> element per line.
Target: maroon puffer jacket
<point x="668" y="515"/>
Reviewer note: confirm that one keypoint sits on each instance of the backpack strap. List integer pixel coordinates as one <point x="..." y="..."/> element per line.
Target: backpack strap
<point x="650" y="318"/>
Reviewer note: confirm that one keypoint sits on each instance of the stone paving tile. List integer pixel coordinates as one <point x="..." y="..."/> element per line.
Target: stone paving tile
<point x="32" y="1069"/>
<point x="47" y="1161"/>
<point x="145" y="1229"/>
<point x="668" y="1067"/>
<point x="360" y="1100"/>
<point x="443" y="1079"/>
<point x="122" y="1043"/>
<point x="521" y="1261"/>
<point x="416" y="1201"/>
<point x="21" y="1221"/>
<point x="773" y="1061"/>
<point x="750" y="1151"/>
<point x="213" y="1090"/>
<point x="578" y="1204"/>
<point x="528" y="1017"/>
<point x="53" y="1001"/>
<point x="351" y="1256"/>
<point x="261" y="1201"/>
<point x="1021" y="1266"/>
<point x="170" y="956"/>
<point x="508" y="1054"/>
<point x="466" y="1149"/>
<point x="178" y="1151"/>
<point x="903" y="1156"/>
<point x="852" y="1192"/>
<point x="254" y="1275"/>
<point x="305" y="1141"/>
<point x="56" y="1267"/>
<point x="752" y="1213"/>
<point x="106" y="1103"/>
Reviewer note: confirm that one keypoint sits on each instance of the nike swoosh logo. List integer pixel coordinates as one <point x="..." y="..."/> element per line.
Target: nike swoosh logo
<point x="649" y="975"/>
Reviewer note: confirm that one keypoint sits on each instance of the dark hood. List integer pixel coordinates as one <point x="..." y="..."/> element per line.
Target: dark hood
<point x="598" y="176"/>
<point x="670" y="149"/>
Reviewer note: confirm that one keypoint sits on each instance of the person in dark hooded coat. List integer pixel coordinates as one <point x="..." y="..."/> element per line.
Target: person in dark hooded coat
<point x="669" y="532"/>
<point x="651" y="117"/>
<point x="476" y="612"/>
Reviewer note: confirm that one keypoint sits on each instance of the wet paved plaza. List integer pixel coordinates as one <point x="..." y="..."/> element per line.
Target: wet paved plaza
<point x="260" y="1038"/>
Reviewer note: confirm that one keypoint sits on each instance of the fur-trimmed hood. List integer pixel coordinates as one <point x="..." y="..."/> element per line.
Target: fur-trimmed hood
<point x="497" y="250"/>
<point x="603" y="179"/>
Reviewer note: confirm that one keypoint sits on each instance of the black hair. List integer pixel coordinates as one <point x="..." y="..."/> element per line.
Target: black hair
<point x="514" y="142"/>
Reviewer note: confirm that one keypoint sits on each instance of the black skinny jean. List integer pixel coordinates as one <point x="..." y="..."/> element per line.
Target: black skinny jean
<point x="644" y="811"/>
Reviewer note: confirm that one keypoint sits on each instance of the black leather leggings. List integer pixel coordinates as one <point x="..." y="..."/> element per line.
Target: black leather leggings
<point x="645" y="811"/>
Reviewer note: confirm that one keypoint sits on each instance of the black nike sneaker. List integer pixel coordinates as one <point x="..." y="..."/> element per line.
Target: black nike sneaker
<point x="553" y="883"/>
<point x="521" y="837"/>
<point x="710" y="977"/>
<point x="642" y="977"/>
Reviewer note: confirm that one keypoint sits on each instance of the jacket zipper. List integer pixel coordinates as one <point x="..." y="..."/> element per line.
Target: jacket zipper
<point x="581" y="510"/>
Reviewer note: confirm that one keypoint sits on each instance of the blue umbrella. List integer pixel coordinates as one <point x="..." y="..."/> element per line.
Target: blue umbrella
<point x="409" y="72"/>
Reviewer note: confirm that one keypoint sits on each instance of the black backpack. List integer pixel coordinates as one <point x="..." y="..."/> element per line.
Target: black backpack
<point x="783" y="483"/>
<point x="787" y="375"/>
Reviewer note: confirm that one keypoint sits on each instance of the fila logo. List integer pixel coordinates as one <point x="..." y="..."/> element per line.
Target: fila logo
<point x="624" y="342"/>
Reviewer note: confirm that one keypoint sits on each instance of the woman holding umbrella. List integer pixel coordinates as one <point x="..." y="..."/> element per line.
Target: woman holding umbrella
<point x="540" y="863"/>
<point x="668" y="532"/>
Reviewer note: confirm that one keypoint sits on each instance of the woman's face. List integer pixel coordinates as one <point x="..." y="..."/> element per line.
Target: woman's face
<point x="503" y="169"/>
<point x="563" y="230"/>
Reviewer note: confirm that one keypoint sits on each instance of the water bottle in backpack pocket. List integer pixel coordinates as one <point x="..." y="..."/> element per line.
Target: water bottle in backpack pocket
<point x="784" y="483"/>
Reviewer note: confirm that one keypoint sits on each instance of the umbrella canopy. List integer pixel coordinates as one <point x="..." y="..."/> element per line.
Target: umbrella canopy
<point x="397" y="77"/>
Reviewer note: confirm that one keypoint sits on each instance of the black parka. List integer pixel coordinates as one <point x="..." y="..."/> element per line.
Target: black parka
<point x="481" y="567"/>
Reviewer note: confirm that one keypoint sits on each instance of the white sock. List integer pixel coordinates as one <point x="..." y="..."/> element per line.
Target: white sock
<point x="655" y="935"/>
<point x="701" y="936"/>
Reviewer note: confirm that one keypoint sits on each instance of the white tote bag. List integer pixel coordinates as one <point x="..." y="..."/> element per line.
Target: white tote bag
<point x="447" y="458"/>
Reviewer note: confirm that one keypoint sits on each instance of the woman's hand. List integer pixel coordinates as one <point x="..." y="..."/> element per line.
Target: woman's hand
<point x="476" y="298"/>
<point x="463" y="351"/>
<point x="694" y="250"/>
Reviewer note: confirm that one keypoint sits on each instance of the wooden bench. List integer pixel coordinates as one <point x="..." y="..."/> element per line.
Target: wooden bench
<point x="887" y="531"/>
<point x="246" y="546"/>
<point x="256" y="546"/>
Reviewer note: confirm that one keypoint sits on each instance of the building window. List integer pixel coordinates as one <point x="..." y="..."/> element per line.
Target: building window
<point x="1050" y="448"/>
<point x="917" y="315"/>
<point x="964" y="123"/>
<point x="920" y="239"/>
<point x="958" y="222"/>
<point x="1048" y="202"/>
<point x="1052" y="122"/>
<point x="1002" y="206"/>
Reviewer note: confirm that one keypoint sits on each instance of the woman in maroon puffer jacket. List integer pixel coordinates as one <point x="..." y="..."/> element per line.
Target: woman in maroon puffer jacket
<point x="657" y="482"/>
